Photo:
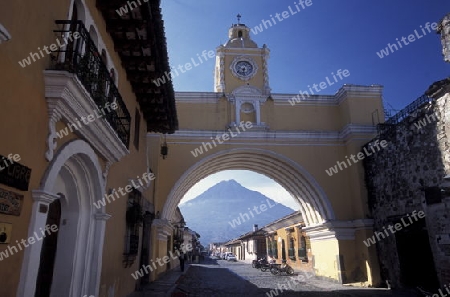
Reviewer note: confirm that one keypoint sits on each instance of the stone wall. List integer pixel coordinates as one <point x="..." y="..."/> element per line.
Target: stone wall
<point x="417" y="157"/>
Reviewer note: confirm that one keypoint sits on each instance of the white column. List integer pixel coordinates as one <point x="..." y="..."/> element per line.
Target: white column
<point x="96" y="267"/>
<point x="257" y="105"/>
<point x="238" y="111"/>
<point x="32" y="254"/>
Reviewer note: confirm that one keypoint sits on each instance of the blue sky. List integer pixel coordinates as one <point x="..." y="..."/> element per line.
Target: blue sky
<point x="318" y="40"/>
<point x="249" y="179"/>
<point x="308" y="46"/>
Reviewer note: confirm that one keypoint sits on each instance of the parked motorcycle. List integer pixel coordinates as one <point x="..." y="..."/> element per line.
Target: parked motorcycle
<point x="277" y="269"/>
<point x="259" y="263"/>
<point x="267" y="265"/>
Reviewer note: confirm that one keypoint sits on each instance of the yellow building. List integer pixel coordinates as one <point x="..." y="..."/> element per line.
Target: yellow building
<point x="292" y="138"/>
<point x="76" y="188"/>
<point x="285" y="240"/>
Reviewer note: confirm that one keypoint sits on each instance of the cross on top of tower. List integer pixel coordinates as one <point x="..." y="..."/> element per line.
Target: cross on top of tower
<point x="239" y="19"/>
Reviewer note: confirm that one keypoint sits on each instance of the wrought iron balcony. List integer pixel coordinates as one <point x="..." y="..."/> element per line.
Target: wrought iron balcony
<point x="78" y="54"/>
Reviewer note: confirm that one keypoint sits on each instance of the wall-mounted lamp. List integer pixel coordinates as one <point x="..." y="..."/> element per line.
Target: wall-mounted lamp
<point x="164" y="148"/>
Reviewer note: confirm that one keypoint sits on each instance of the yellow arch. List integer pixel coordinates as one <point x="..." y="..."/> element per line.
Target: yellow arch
<point x="314" y="204"/>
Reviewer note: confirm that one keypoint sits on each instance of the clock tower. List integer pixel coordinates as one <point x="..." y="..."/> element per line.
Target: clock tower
<point x="241" y="73"/>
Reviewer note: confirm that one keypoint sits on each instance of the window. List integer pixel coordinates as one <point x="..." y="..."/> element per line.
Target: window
<point x="239" y="33"/>
<point x="137" y="126"/>
<point x="275" y="248"/>
<point x="269" y="247"/>
<point x="134" y="218"/>
<point x="302" y="254"/>
<point x="291" y="250"/>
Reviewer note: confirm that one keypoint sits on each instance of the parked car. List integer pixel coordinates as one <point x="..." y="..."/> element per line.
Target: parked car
<point x="225" y="257"/>
<point x="231" y="257"/>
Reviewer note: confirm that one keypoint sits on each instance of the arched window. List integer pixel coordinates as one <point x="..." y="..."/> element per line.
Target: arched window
<point x="291" y="250"/>
<point x="302" y="249"/>
<point x="239" y="33"/>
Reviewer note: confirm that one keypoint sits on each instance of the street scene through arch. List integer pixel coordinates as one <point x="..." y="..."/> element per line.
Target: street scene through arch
<point x="243" y="126"/>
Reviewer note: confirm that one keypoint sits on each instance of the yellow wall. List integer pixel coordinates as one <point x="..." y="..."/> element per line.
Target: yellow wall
<point x="24" y="130"/>
<point x="325" y="260"/>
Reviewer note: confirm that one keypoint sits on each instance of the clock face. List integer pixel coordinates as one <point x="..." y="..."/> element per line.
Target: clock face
<point x="243" y="68"/>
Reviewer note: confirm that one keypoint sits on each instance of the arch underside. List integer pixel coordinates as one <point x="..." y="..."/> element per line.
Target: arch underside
<point x="314" y="205"/>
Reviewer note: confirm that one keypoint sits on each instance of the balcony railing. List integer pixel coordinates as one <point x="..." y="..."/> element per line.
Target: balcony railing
<point x="403" y="114"/>
<point x="80" y="56"/>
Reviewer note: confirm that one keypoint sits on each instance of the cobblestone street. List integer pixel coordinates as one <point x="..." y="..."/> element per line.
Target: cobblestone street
<point x="221" y="278"/>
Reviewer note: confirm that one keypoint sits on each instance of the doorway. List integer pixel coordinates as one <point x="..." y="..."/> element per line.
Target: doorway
<point x="68" y="263"/>
<point x="48" y="252"/>
<point x="415" y="256"/>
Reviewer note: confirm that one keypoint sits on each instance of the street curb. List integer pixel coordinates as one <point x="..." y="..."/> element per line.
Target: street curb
<point x="169" y="293"/>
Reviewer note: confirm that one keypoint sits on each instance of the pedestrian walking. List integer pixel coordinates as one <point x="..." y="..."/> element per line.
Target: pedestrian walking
<point x="181" y="257"/>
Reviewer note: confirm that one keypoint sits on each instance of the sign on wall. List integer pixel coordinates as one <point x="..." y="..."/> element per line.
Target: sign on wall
<point x="10" y="202"/>
<point x="14" y="174"/>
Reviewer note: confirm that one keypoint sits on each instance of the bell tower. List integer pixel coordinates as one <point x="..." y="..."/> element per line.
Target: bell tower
<point x="241" y="73"/>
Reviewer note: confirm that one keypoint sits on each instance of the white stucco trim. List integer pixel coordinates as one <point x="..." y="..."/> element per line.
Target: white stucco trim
<point x="68" y="100"/>
<point x="346" y="91"/>
<point x="340" y="230"/>
<point x="314" y="204"/>
<point x="349" y="131"/>
<point x="163" y="228"/>
<point x="77" y="165"/>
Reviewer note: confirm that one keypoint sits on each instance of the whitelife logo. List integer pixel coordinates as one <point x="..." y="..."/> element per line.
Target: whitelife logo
<point x="161" y="262"/>
<point x="360" y="155"/>
<point x="7" y="161"/>
<point x="291" y="283"/>
<point x="168" y="76"/>
<point x="422" y="123"/>
<point x="147" y="177"/>
<point x="87" y="120"/>
<point x="246" y="217"/>
<point x="441" y="294"/>
<point x="323" y="85"/>
<point x="281" y="16"/>
<point x="131" y="4"/>
<point x="31" y="240"/>
<point x="380" y="235"/>
<point x="411" y="38"/>
<point x="53" y="47"/>
<point x="225" y="137"/>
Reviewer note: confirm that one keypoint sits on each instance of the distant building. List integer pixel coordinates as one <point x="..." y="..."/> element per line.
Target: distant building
<point x="285" y="240"/>
<point x="193" y="238"/>
<point x="249" y="246"/>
